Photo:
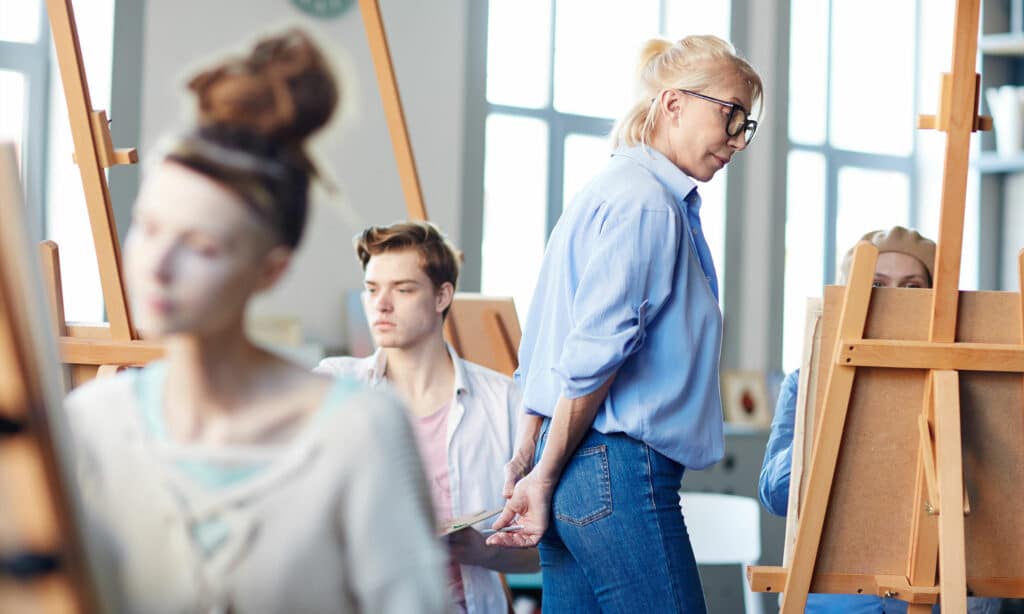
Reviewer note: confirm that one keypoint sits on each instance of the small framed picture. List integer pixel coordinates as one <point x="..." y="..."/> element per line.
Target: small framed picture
<point x="745" y="398"/>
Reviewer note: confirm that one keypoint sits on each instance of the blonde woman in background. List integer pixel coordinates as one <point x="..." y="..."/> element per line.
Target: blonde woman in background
<point x="619" y="359"/>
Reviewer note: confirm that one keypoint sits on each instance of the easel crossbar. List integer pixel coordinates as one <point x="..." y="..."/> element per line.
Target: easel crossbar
<point x="769" y="579"/>
<point x="108" y="352"/>
<point x="1002" y="358"/>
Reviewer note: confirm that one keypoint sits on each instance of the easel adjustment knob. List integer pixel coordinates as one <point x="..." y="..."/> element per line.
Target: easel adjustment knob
<point x="105" y="152"/>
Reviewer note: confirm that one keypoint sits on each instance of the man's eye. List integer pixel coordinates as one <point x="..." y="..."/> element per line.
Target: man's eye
<point x="877" y="284"/>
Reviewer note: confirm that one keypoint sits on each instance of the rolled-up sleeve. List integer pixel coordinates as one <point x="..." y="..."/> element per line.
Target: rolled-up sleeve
<point x="624" y="284"/>
<point x="773" y="485"/>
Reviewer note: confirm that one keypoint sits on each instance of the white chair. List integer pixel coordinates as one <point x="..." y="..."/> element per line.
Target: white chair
<point x="725" y="530"/>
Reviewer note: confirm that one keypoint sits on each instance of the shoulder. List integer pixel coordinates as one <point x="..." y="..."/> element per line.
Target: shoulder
<point x="494" y="392"/>
<point x="363" y="415"/>
<point x="490" y="379"/>
<point x="623" y="185"/>
<point x="103" y="415"/>
<point x="629" y="188"/>
<point x="103" y="400"/>
<point x="346" y="366"/>
<point x="485" y="374"/>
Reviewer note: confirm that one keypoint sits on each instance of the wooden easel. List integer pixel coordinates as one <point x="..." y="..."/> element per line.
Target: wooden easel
<point x="91" y="350"/>
<point x="966" y="345"/>
<point x="484" y="330"/>
<point x="43" y="563"/>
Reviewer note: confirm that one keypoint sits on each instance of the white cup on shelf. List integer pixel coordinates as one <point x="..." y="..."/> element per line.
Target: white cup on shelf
<point x="1007" y="106"/>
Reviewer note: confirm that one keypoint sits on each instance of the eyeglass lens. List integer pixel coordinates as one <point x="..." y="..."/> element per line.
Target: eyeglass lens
<point x="738" y="123"/>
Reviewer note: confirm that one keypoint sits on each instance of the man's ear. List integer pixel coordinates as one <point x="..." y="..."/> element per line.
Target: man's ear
<point x="275" y="263"/>
<point x="445" y="296"/>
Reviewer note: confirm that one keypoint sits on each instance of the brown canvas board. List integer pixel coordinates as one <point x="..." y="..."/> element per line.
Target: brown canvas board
<point x="868" y="522"/>
<point x="485" y="330"/>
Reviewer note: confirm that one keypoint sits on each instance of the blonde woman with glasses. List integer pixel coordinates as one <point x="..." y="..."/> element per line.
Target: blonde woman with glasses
<point x="619" y="359"/>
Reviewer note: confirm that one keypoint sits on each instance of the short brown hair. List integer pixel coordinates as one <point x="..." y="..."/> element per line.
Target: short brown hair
<point x="438" y="257"/>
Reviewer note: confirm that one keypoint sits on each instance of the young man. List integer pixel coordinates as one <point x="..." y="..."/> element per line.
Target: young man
<point x="464" y="415"/>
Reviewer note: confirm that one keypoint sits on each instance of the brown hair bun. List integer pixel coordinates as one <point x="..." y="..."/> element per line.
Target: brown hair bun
<point x="255" y="114"/>
<point x="283" y="90"/>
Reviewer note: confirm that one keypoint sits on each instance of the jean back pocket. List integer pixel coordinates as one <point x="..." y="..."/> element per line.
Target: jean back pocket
<point x="584" y="494"/>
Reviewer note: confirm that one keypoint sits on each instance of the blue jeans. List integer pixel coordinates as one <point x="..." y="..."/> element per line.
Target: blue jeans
<point x="616" y="541"/>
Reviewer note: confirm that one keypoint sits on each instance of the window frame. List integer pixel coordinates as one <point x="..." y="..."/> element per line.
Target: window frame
<point x="32" y="61"/>
<point x="837" y="159"/>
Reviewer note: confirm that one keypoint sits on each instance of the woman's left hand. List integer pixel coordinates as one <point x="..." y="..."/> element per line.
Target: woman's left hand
<point x="529" y="507"/>
<point x="517" y="468"/>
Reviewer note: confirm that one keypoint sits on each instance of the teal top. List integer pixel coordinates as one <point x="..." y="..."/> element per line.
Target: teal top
<point x="215" y="473"/>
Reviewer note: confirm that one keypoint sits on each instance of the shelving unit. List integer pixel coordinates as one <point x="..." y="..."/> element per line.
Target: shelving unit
<point x="1001" y="51"/>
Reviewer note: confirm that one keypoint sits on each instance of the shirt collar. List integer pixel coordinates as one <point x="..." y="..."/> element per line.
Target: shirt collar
<point x="678" y="183"/>
<point x="379" y="367"/>
<point x="461" y="383"/>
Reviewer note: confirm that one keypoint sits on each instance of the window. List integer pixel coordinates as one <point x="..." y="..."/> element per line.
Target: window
<point x="13" y="109"/>
<point x="856" y="162"/>
<point x="558" y="75"/>
<point x="67" y="219"/>
<point x="23" y="73"/>
<point x="33" y="114"/>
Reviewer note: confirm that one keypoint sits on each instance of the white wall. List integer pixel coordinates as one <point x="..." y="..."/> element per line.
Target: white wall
<point x="427" y="41"/>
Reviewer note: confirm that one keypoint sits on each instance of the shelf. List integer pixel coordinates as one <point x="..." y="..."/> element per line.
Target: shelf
<point x="991" y="162"/>
<point x="1009" y="44"/>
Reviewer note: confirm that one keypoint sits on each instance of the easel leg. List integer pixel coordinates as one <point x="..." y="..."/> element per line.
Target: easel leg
<point x="829" y="432"/>
<point x="924" y="537"/>
<point x="952" y="552"/>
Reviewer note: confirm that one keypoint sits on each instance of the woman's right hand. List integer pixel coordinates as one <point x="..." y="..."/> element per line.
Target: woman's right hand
<point x="529" y="506"/>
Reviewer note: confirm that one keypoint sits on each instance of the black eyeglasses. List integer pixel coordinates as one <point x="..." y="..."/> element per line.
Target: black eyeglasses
<point x="738" y="120"/>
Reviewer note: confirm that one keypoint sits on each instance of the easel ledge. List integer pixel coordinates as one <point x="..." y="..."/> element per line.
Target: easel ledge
<point x="766" y="578"/>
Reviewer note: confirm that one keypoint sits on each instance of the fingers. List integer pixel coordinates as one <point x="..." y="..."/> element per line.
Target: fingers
<point x="520" y="539"/>
<point x="505" y="519"/>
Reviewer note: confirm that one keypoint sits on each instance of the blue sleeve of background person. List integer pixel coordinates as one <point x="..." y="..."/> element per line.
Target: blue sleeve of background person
<point x="773" y="485"/>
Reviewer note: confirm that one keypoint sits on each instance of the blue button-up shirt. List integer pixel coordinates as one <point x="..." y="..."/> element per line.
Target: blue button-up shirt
<point x="627" y="285"/>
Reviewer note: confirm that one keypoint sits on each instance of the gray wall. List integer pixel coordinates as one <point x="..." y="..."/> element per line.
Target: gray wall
<point x="427" y="42"/>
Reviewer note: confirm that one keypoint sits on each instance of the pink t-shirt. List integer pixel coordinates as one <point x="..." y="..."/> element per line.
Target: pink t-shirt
<point x="432" y="437"/>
